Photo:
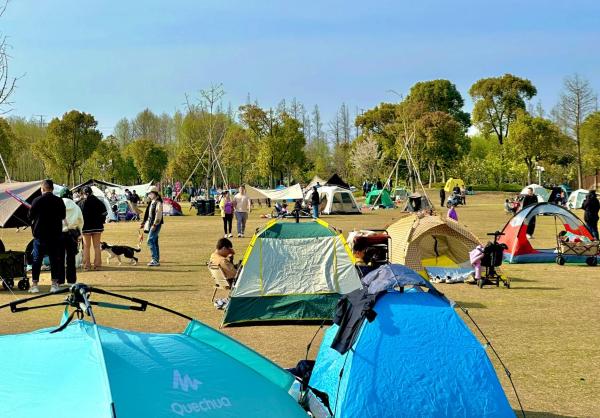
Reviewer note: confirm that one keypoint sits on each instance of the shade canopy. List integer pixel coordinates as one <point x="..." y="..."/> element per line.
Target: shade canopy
<point x="13" y="211"/>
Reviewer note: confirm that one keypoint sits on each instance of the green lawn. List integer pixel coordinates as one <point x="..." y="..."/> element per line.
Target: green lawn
<point x="546" y="327"/>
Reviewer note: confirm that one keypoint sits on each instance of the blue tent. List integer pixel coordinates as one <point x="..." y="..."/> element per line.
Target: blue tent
<point x="417" y="358"/>
<point x="88" y="370"/>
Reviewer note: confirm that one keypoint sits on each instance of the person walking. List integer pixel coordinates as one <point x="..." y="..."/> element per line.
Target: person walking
<point x="226" y="206"/>
<point x="591" y="206"/>
<point x="530" y="199"/>
<point x="152" y="224"/>
<point x="46" y="216"/>
<point x="452" y="214"/>
<point x="315" y="202"/>
<point x="241" y="203"/>
<point x="442" y="197"/>
<point x="72" y="226"/>
<point x="94" y="215"/>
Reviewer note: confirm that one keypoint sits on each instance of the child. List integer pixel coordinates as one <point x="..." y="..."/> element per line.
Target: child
<point x="452" y="213"/>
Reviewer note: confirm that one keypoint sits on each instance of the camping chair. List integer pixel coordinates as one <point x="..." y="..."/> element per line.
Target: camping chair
<point x="220" y="280"/>
<point x="122" y="208"/>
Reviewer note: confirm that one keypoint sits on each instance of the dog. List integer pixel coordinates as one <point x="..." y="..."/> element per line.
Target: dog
<point x="116" y="251"/>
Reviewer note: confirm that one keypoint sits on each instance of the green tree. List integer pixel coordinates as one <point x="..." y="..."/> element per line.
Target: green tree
<point x="24" y="165"/>
<point x="7" y="141"/>
<point x="108" y="163"/>
<point x="123" y="132"/>
<point x="534" y="139"/>
<point x="440" y="96"/>
<point x="239" y="150"/>
<point x="149" y="158"/>
<point x="590" y="141"/>
<point x="497" y="101"/>
<point x="69" y="142"/>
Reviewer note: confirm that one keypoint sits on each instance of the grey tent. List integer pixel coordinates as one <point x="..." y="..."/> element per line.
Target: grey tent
<point x="14" y="198"/>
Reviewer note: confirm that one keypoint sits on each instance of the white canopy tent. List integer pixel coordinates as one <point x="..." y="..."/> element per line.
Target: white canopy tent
<point x="335" y="200"/>
<point x="289" y="193"/>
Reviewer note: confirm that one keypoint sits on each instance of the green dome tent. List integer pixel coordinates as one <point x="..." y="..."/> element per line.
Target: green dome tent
<point x="385" y="200"/>
<point x="292" y="271"/>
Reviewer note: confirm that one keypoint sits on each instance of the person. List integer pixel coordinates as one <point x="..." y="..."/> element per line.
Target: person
<point x="530" y="199"/>
<point x="72" y="227"/>
<point x="241" y="203"/>
<point x="94" y="216"/>
<point x="127" y="194"/>
<point x="452" y="214"/>
<point x="135" y="198"/>
<point x="222" y="257"/>
<point x="508" y="207"/>
<point x="463" y="195"/>
<point x="591" y="206"/>
<point x="226" y="206"/>
<point x="456" y="190"/>
<point x="113" y="196"/>
<point x="365" y="187"/>
<point x="152" y="224"/>
<point x="379" y="184"/>
<point x="442" y="197"/>
<point x="46" y="216"/>
<point x="315" y="202"/>
<point x="359" y="252"/>
<point x="297" y="209"/>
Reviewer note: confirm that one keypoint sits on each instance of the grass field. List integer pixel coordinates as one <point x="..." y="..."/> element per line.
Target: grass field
<point x="546" y="327"/>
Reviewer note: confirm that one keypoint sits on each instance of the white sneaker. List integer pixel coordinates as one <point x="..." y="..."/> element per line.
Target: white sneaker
<point x="54" y="288"/>
<point x="242" y="235"/>
<point x="153" y="263"/>
<point x="230" y="235"/>
<point x="34" y="289"/>
<point x="225" y="236"/>
<point x="239" y="235"/>
<point x="528" y="236"/>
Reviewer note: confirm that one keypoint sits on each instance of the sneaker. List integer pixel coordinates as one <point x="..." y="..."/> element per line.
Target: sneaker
<point x="54" y="288"/>
<point x="529" y="236"/>
<point x="153" y="263"/>
<point x="225" y="236"/>
<point x="34" y="289"/>
<point x="239" y="235"/>
<point x="242" y="236"/>
<point x="230" y="235"/>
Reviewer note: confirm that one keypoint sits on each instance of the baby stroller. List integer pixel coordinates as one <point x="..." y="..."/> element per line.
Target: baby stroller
<point x="454" y="200"/>
<point x="493" y="254"/>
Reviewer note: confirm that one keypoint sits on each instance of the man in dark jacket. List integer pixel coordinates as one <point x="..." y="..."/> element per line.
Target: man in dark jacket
<point x="530" y="199"/>
<point x="315" y="201"/>
<point x="46" y="215"/>
<point x="591" y="206"/>
<point x="442" y="197"/>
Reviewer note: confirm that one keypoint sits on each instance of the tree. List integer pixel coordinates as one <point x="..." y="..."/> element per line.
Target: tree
<point x="365" y="158"/>
<point x="7" y="82"/>
<point x="577" y="101"/>
<point x="590" y="141"/>
<point x="496" y="102"/>
<point x="534" y="139"/>
<point x="440" y="96"/>
<point x="123" y="132"/>
<point x="108" y="163"/>
<point x="146" y="125"/>
<point x="7" y="139"/>
<point x="149" y="158"/>
<point x="317" y="124"/>
<point x="69" y="142"/>
<point x="239" y="151"/>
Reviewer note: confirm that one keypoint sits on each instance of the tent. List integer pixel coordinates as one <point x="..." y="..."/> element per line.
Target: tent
<point x="101" y="183"/>
<point x="542" y="193"/>
<point x="287" y="193"/>
<point x="336" y="180"/>
<point x="520" y="249"/>
<point x="400" y="193"/>
<point x="576" y="198"/>
<point x="140" y="189"/>
<point x="13" y="213"/>
<point x="417" y="358"/>
<point x="315" y="180"/>
<point x="384" y="200"/>
<point x="171" y="207"/>
<point x="452" y="183"/>
<point x="336" y="200"/>
<point x="430" y="241"/>
<point x="129" y="374"/>
<point x="292" y="271"/>
<point x="416" y="203"/>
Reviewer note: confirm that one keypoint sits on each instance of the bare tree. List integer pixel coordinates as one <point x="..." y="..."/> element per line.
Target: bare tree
<point x="345" y="124"/>
<point x="7" y="82"/>
<point x="317" y="123"/>
<point x="577" y="101"/>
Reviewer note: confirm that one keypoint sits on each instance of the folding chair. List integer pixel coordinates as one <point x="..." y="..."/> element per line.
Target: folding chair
<point x="219" y="278"/>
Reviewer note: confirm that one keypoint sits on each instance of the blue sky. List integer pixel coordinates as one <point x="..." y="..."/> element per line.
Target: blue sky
<point x="114" y="58"/>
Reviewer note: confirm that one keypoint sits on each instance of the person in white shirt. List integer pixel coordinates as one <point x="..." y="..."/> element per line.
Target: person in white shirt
<point x="72" y="226"/>
<point x="241" y="203"/>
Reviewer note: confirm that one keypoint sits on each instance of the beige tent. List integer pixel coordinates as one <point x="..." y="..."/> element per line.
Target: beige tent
<point x="289" y="193"/>
<point x="430" y="241"/>
<point x="13" y="213"/>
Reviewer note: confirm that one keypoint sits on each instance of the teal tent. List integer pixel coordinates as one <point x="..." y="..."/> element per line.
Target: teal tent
<point x="374" y="198"/>
<point x="92" y="371"/>
<point x="416" y="358"/>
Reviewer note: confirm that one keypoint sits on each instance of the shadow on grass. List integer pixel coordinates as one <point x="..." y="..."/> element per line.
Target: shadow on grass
<point x="535" y="288"/>
<point x="157" y="290"/>
<point x="535" y="414"/>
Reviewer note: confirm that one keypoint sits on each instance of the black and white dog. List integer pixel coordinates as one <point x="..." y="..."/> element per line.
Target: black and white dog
<point x="118" y="251"/>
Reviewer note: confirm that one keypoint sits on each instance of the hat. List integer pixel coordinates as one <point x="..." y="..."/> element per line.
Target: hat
<point x="66" y="193"/>
<point x="153" y="189"/>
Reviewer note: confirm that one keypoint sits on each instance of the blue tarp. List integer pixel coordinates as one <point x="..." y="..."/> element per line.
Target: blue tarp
<point x="416" y="359"/>
<point x="98" y="372"/>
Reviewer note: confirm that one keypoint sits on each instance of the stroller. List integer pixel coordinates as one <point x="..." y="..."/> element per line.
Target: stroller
<point x="493" y="254"/>
<point x="454" y="200"/>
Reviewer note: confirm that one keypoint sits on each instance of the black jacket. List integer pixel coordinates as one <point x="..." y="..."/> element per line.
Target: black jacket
<point x="591" y="206"/>
<point x="529" y="200"/>
<point x="46" y="215"/>
<point x="94" y="214"/>
<point x="314" y="198"/>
